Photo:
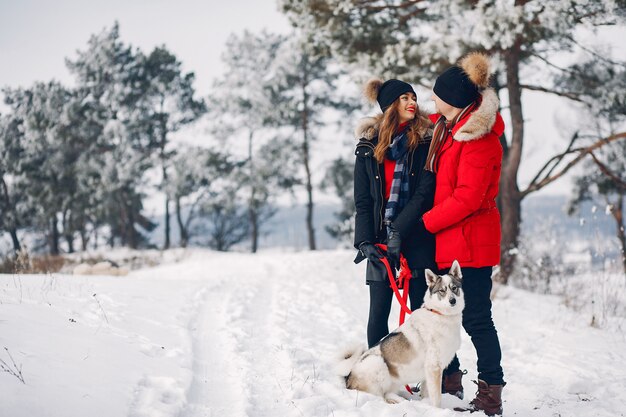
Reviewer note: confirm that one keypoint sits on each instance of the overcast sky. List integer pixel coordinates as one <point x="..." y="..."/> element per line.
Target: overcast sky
<point x="37" y="36"/>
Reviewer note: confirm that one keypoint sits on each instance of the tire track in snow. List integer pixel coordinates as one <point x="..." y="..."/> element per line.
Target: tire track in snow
<point x="216" y="384"/>
<point x="259" y="340"/>
<point x="257" y="337"/>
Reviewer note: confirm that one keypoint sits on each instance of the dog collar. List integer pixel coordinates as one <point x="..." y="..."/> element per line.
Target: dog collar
<point x="434" y="311"/>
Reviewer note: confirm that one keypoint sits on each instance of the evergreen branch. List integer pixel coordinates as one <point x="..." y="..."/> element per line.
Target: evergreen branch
<point x="582" y="152"/>
<point x="571" y="96"/>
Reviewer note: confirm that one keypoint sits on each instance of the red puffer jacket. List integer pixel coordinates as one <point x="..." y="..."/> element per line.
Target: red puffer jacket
<point x="464" y="218"/>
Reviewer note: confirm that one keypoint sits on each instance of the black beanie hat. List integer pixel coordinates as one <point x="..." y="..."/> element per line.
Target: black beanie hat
<point x="455" y="88"/>
<point x="390" y="91"/>
<point x="461" y="84"/>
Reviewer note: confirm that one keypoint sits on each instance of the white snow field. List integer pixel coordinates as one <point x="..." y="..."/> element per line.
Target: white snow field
<point x="231" y="334"/>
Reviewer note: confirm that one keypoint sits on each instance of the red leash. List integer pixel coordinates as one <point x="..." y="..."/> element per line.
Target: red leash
<point x="404" y="277"/>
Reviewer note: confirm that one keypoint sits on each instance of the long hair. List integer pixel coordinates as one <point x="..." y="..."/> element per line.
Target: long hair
<point x="389" y="127"/>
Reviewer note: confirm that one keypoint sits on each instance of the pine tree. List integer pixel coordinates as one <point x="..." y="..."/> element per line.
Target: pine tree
<point x="604" y="174"/>
<point x="414" y="40"/>
<point x="604" y="179"/>
<point x="111" y="88"/>
<point x="305" y="89"/>
<point x="169" y="104"/>
<point x="49" y="153"/>
<point x="340" y="179"/>
<point x="194" y="174"/>
<point x="11" y="193"/>
<point x="241" y="108"/>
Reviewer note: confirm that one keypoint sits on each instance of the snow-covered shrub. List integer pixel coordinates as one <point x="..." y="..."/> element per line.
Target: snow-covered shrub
<point x="582" y="266"/>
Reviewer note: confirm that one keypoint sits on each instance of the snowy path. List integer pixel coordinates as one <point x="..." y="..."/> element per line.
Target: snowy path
<point x="233" y="335"/>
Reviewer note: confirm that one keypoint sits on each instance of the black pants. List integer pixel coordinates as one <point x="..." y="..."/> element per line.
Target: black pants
<point x="478" y="324"/>
<point x="381" y="296"/>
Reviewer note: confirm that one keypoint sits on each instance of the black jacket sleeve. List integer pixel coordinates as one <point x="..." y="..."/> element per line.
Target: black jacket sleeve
<point x="363" y="201"/>
<point x="421" y="201"/>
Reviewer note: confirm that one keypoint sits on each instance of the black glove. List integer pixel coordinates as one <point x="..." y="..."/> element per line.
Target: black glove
<point x="393" y="246"/>
<point x="371" y="252"/>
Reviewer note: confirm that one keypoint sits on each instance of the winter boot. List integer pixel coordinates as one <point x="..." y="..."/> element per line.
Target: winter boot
<point x="488" y="399"/>
<point x="451" y="384"/>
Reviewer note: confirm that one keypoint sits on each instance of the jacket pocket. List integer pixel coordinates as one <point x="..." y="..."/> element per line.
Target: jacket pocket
<point x="452" y="244"/>
<point x="484" y="233"/>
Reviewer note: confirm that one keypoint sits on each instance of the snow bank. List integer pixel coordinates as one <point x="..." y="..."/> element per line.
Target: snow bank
<point x="224" y="334"/>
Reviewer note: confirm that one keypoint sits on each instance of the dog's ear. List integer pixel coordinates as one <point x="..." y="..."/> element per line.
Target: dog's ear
<point x="455" y="270"/>
<point x="431" y="278"/>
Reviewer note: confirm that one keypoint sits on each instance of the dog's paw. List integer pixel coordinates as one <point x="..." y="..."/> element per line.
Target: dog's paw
<point x="393" y="398"/>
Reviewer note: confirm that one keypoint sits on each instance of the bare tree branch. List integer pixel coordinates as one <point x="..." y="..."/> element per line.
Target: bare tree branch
<point x="370" y="8"/>
<point x="592" y="52"/>
<point x="582" y="152"/>
<point x="539" y="57"/>
<point x="558" y="158"/>
<point x="571" y="96"/>
<point x="606" y="171"/>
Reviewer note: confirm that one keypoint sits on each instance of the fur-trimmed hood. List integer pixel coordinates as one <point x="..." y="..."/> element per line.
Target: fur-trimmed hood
<point x="367" y="128"/>
<point x="481" y="121"/>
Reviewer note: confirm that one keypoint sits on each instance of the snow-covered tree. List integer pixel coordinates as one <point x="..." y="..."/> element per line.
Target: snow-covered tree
<point x="169" y="104"/>
<point x="194" y="174"/>
<point x="11" y="193"/>
<point x="241" y="107"/>
<point x="227" y="219"/>
<point x="416" y="40"/>
<point x="604" y="181"/>
<point x="50" y="149"/>
<point x="112" y="84"/>
<point x="305" y="88"/>
<point x="340" y="179"/>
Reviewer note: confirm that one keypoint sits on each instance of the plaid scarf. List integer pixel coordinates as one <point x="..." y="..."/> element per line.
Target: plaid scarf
<point x="440" y="132"/>
<point x="399" y="195"/>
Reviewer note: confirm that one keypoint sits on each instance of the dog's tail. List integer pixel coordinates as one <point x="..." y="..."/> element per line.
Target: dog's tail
<point x="348" y="357"/>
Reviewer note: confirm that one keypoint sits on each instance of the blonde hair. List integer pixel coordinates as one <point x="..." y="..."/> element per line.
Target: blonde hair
<point x="389" y="127"/>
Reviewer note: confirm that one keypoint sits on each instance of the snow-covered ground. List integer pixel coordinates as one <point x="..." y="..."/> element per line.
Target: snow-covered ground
<point x="226" y="334"/>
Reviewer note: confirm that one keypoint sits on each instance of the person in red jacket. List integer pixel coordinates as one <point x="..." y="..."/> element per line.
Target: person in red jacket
<point x="466" y="155"/>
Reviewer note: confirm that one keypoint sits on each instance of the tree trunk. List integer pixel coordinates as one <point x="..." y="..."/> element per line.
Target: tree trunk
<point x="510" y="197"/>
<point x="618" y="214"/>
<point x="307" y="169"/>
<point x="84" y="238"/>
<point x="133" y="239"/>
<point x="70" y="243"/>
<point x="166" y="245"/>
<point x="254" y="227"/>
<point x="184" y="236"/>
<point x="67" y="233"/>
<point x="13" y="227"/>
<point x="54" y="237"/>
<point x="16" y="242"/>
<point x="253" y="215"/>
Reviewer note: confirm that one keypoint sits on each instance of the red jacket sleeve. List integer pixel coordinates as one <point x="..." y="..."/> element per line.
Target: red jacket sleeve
<point x="476" y="163"/>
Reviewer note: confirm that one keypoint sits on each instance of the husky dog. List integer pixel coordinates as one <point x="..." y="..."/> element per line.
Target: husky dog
<point x="417" y="351"/>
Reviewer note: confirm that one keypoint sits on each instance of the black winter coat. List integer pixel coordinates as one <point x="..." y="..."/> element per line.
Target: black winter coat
<point x="369" y="187"/>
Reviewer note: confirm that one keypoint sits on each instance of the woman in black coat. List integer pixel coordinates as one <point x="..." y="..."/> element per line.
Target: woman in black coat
<point x="391" y="191"/>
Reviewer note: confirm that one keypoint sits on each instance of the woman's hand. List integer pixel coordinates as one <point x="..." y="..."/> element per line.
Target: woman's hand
<point x="371" y="252"/>
<point x="393" y="246"/>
